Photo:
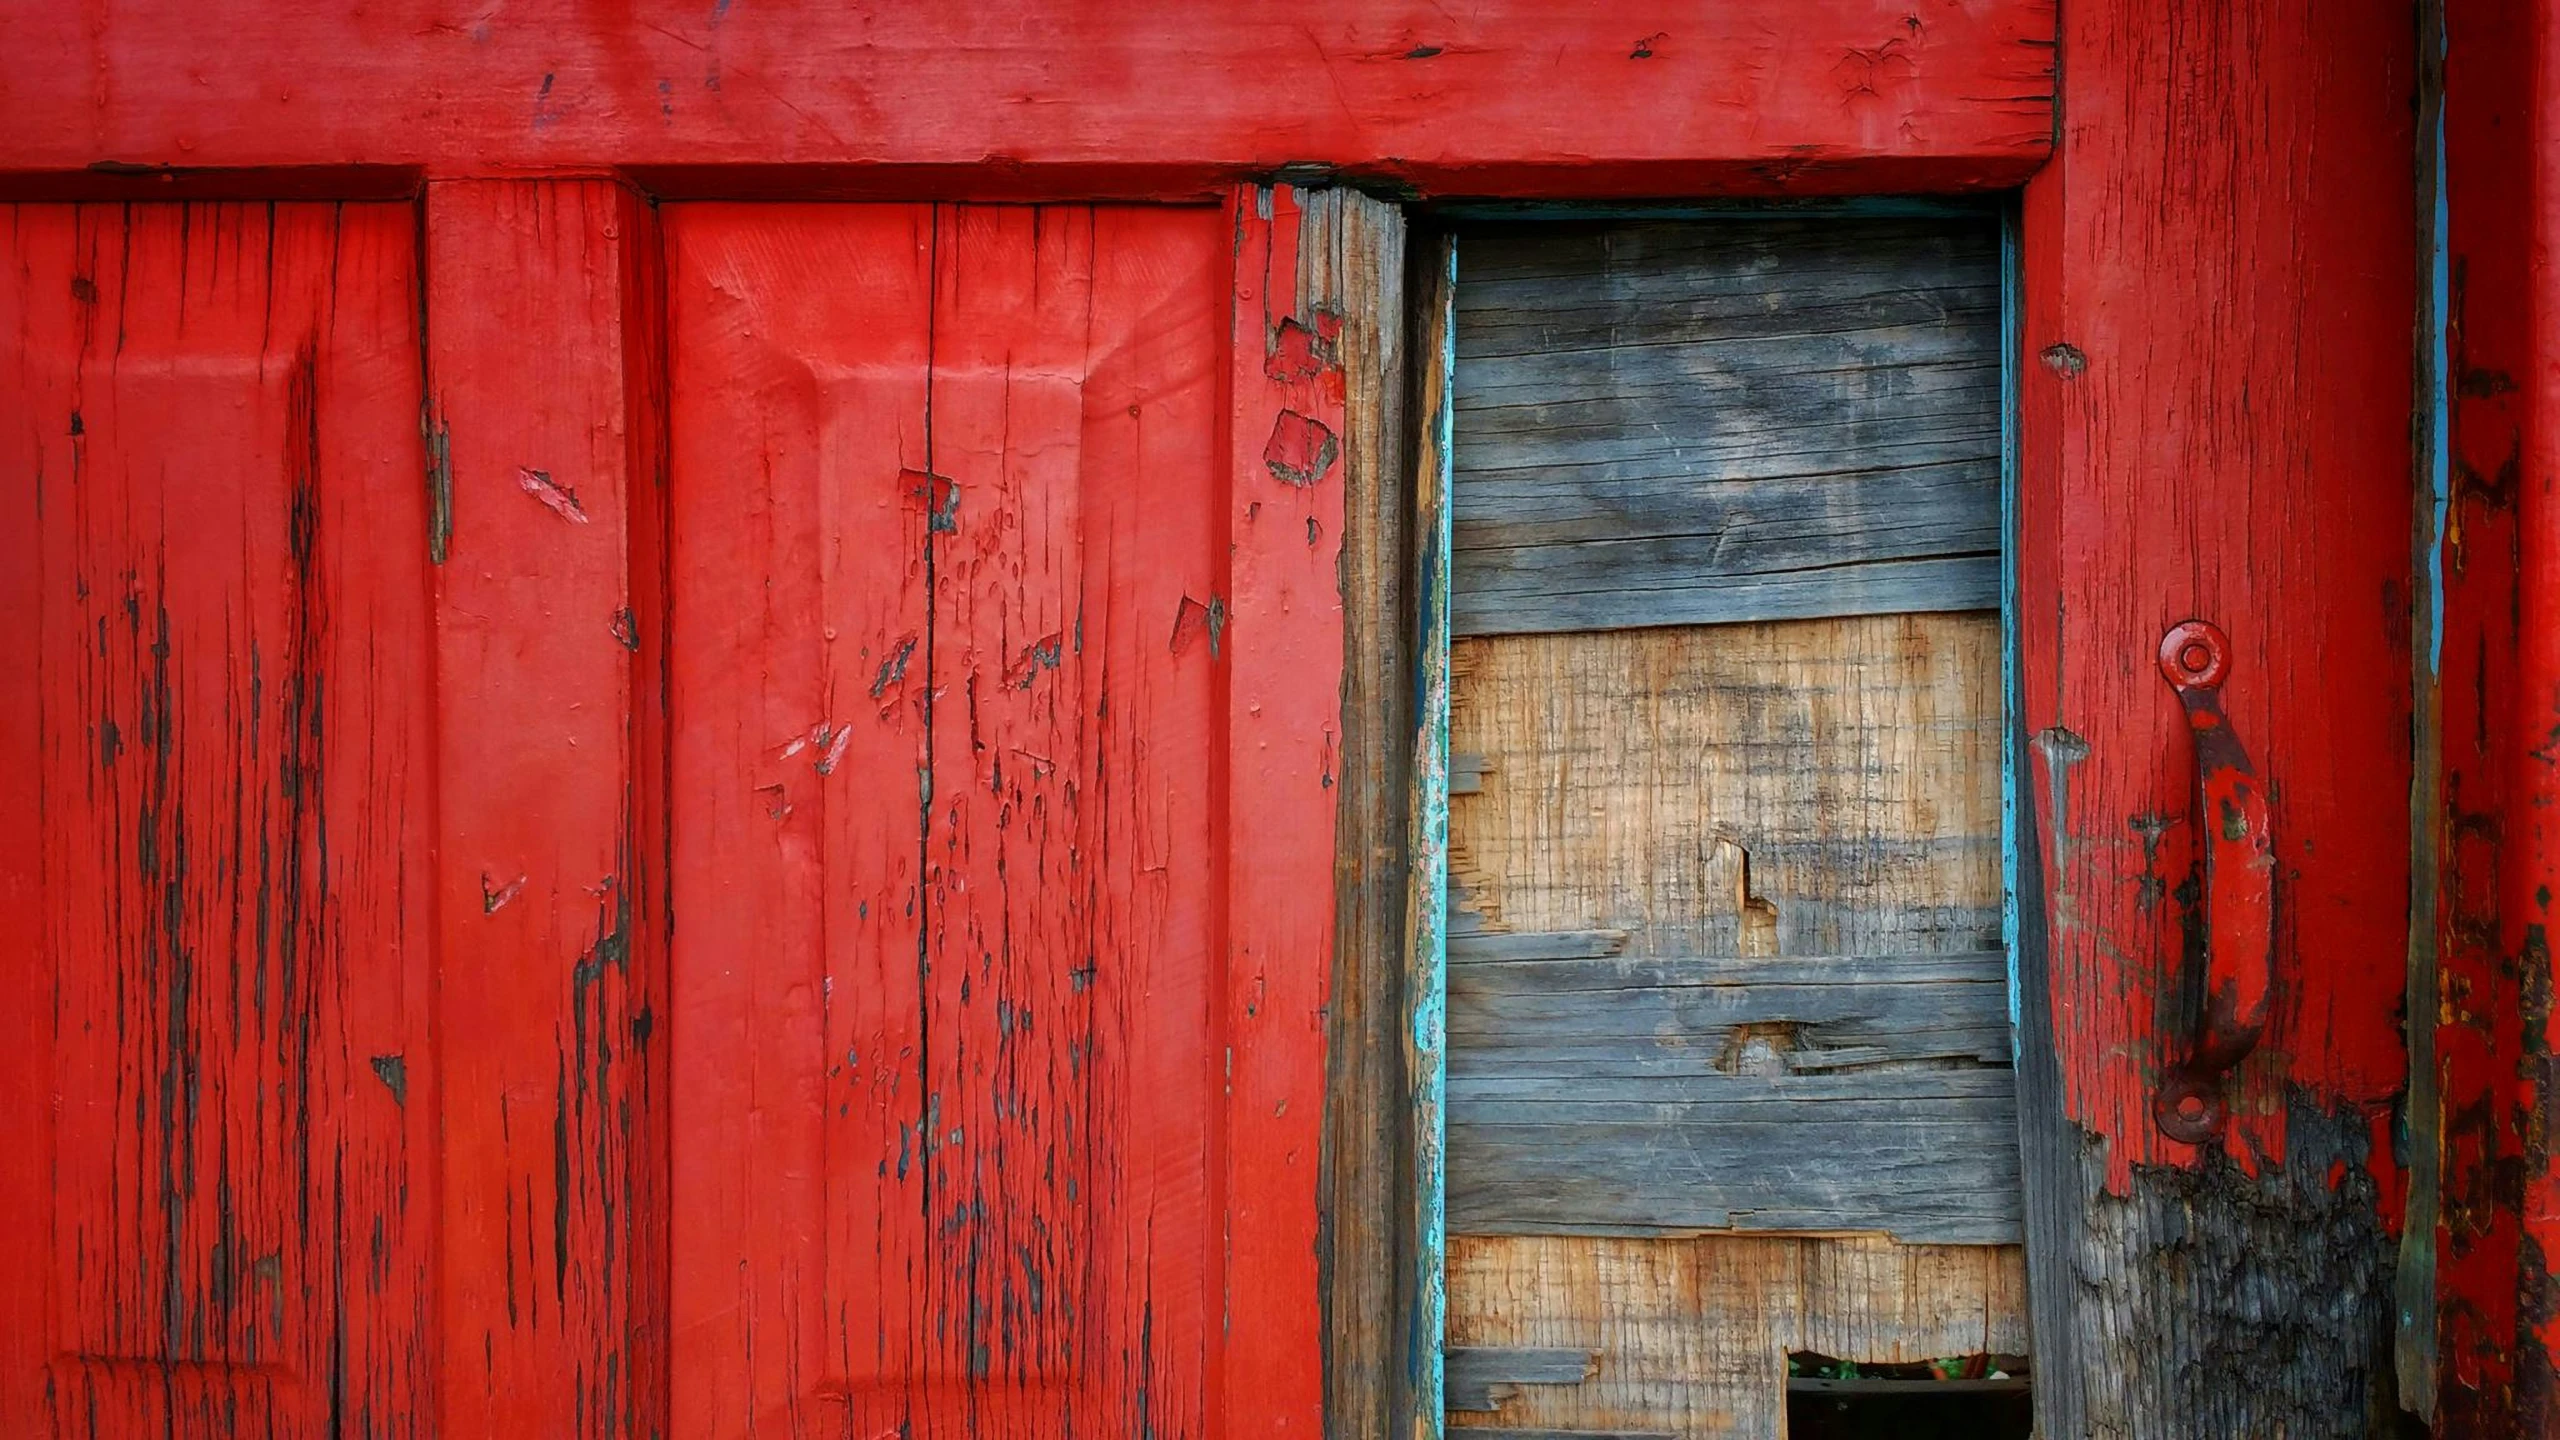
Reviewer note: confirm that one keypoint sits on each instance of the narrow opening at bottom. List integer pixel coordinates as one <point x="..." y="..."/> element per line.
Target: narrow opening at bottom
<point x="1964" y="1397"/>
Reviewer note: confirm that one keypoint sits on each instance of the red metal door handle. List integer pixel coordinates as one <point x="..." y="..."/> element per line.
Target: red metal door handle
<point x="2239" y="890"/>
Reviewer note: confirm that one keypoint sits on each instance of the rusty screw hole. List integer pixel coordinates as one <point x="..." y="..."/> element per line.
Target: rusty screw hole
<point x="2188" y="1109"/>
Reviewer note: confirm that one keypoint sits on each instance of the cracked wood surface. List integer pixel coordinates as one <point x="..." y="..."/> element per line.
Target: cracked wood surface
<point x="957" y="684"/>
<point x="222" y="1095"/>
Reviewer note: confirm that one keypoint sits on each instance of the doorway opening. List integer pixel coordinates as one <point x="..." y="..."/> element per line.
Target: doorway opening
<point x="1722" y="942"/>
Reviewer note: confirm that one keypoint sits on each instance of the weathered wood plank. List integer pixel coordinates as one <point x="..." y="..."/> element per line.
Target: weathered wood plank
<point x="1609" y="586"/>
<point x="1692" y="1334"/>
<point x="1912" y="1171"/>
<point x="1678" y="1007"/>
<point x="1695" y="423"/>
<point x="1805" y="788"/>
<point x="1482" y="1377"/>
<point x="1489" y="946"/>
<point x="1352" y="263"/>
<point x="1432" y="917"/>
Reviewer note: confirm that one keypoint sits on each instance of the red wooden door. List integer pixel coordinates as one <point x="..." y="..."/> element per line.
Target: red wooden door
<point x="749" y="876"/>
<point x="945" y="532"/>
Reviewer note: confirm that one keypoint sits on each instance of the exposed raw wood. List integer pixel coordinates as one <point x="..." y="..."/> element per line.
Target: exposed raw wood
<point x="1675" y="423"/>
<point x="1482" y="1377"/>
<point x="1430" y="915"/>
<point x="1494" y="946"/>
<point x="1809" y="788"/>
<point x="1693" y="1335"/>
<point x="1683" y="97"/>
<point x="1352" y="264"/>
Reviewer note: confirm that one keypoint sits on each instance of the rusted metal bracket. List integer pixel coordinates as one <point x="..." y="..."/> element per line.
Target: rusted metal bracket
<point x="2239" y="890"/>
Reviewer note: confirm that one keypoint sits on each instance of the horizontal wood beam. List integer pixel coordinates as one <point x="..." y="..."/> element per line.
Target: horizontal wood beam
<point x="1512" y="97"/>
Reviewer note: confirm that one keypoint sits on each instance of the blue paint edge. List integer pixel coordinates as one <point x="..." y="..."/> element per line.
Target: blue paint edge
<point x="2012" y="680"/>
<point x="1430" y="960"/>
<point x="2439" y="396"/>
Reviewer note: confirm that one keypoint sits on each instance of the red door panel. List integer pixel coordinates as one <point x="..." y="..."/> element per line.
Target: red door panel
<point x="947" y="496"/>
<point x="219" y="1131"/>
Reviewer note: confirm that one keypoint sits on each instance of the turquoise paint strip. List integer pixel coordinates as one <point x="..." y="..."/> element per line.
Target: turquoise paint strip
<point x="2012" y="685"/>
<point x="1430" y="879"/>
<point x="2439" y="397"/>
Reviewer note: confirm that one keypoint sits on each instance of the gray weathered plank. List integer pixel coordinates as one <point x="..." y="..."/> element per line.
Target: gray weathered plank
<point x="1479" y="1378"/>
<point x="1495" y="1432"/>
<point x="1622" y="1095"/>
<point x="1486" y="945"/>
<point x="1665" y="423"/>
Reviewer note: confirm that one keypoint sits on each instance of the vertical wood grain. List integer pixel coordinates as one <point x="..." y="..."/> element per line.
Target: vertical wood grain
<point x="541" y="347"/>
<point x="2214" y="424"/>
<point x="1427" y="830"/>
<point x="226" y="1083"/>
<point x="800" y="510"/>
<point x="1000" y="1111"/>
<point x="37" y="376"/>
<point x="1366" y="1254"/>
<point x="1283" y="526"/>
<point x="2488" y="96"/>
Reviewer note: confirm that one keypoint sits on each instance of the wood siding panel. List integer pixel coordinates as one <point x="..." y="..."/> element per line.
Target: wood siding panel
<point x="1685" y="96"/>
<point x="1677" y="423"/>
<point x="227" y="1105"/>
